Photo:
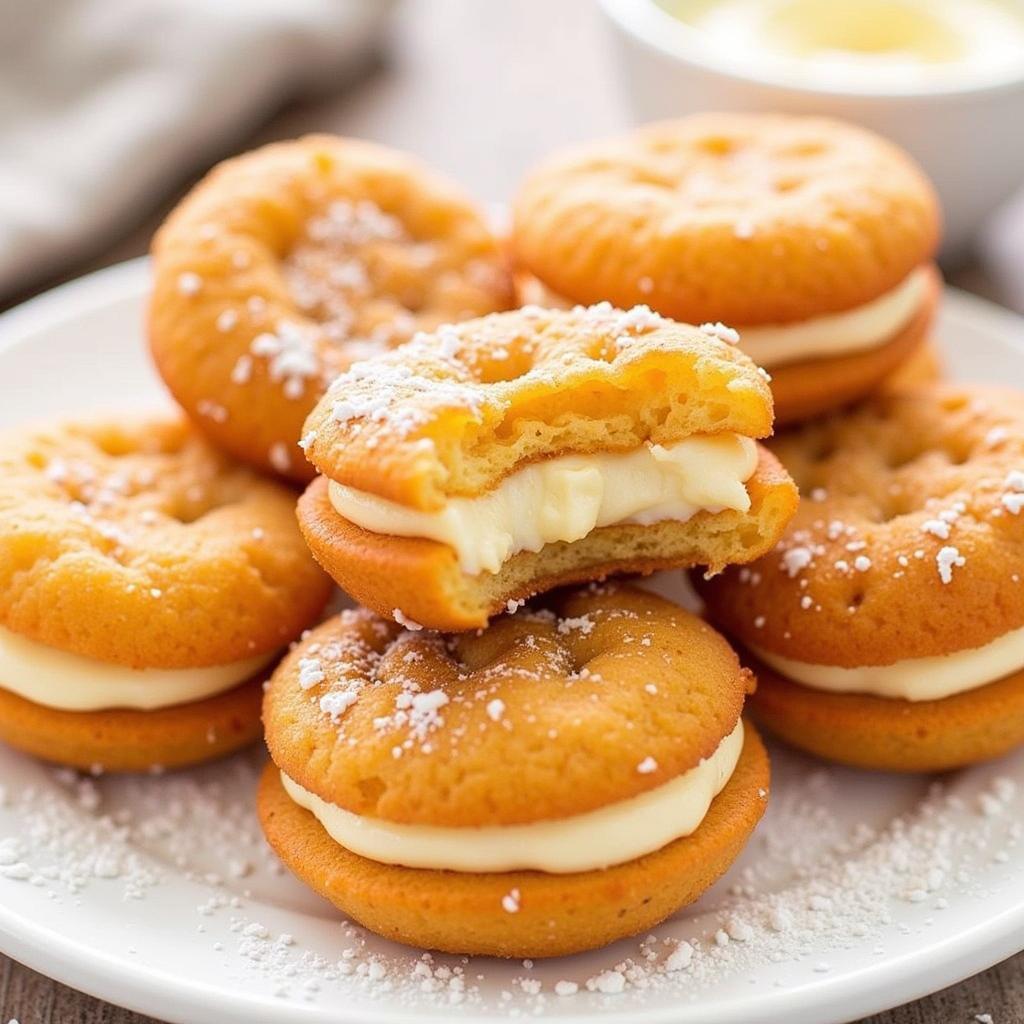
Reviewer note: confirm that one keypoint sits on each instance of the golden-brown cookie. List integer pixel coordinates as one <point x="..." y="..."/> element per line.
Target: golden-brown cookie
<point x="813" y="238"/>
<point x="566" y="426"/>
<point x="130" y="740"/>
<point x="133" y="541"/>
<point x="285" y="265"/>
<point x="893" y="735"/>
<point x="146" y="583"/>
<point x="895" y="601"/>
<point x="606" y="700"/>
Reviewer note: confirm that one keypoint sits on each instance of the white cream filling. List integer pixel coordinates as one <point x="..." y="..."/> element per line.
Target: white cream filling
<point x="914" y="678"/>
<point x="853" y="330"/>
<point x="565" y="498"/>
<point x="615" y="834"/>
<point x="71" y="682"/>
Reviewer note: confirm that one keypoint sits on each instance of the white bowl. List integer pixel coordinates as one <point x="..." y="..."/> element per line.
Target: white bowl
<point x="968" y="136"/>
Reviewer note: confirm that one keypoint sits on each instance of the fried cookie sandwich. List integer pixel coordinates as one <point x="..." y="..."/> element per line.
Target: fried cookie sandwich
<point x="887" y="628"/>
<point x="495" y="459"/>
<point x="813" y="239"/>
<point x="285" y="265"/>
<point x="573" y="774"/>
<point x="147" y="585"/>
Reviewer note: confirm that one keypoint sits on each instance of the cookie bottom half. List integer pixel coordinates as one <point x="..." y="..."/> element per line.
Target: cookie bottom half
<point x="891" y="734"/>
<point x="124" y="740"/>
<point x="807" y="389"/>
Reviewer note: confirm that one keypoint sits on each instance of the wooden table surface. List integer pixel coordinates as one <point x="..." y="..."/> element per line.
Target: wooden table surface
<point x="481" y="90"/>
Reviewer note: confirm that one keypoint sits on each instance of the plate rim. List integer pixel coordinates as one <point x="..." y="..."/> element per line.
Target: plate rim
<point x="873" y="988"/>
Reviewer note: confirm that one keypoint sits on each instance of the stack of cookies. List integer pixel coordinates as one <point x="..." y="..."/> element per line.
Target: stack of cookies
<point x="473" y="756"/>
<point x="470" y="471"/>
<point x="495" y="750"/>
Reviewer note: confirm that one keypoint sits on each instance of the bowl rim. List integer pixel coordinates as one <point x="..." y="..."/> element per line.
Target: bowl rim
<point x="648" y="22"/>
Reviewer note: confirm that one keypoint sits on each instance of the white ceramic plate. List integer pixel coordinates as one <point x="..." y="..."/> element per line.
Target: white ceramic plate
<point x="858" y="891"/>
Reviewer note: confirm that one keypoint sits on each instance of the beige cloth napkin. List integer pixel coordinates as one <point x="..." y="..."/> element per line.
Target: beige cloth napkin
<point x="106" y="103"/>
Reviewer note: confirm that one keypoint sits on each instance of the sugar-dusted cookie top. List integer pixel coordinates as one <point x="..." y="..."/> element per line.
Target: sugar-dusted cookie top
<point x="132" y="541"/>
<point x="578" y="701"/>
<point x="909" y="540"/>
<point x="746" y="218"/>
<point x="286" y="264"/>
<point x="455" y="411"/>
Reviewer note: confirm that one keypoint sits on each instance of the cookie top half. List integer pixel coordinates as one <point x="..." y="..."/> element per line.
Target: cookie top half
<point x="746" y="218"/>
<point x="909" y="540"/>
<point x="132" y="541"/>
<point x="577" y="701"/>
<point x="453" y="412"/>
<point x="288" y="263"/>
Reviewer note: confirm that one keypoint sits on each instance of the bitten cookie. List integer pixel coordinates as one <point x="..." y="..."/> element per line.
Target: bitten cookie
<point x="888" y="625"/>
<point x="501" y="457"/>
<point x="573" y="774"/>
<point x="146" y="586"/>
<point x="287" y="264"/>
<point x="812" y="238"/>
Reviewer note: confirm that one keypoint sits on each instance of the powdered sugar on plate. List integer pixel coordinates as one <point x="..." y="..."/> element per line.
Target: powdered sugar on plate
<point x="846" y="867"/>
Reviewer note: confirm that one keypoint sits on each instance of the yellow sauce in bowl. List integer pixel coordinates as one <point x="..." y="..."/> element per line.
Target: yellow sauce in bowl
<point x="897" y="41"/>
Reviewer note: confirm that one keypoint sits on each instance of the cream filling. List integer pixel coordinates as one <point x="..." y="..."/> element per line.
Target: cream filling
<point x="610" y="835"/>
<point x="71" y="682"/>
<point x="854" y="330"/>
<point x="565" y="498"/>
<point x="914" y="678"/>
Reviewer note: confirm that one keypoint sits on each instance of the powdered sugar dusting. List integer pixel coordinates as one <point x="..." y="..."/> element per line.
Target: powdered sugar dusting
<point x="796" y="559"/>
<point x="329" y="282"/>
<point x="310" y="672"/>
<point x="948" y="559"/>
<point x="787" y="912"/>
<point x="189" y="283"/>
<point x="291" y="355"/>
<point x="1012" y="498"/>
<point x="388" y="392"/>
<point x="280" y="457"/>
<point x="403" y="620"/>
<point x="718" y="330"/>
<point x="327" y="274"/>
